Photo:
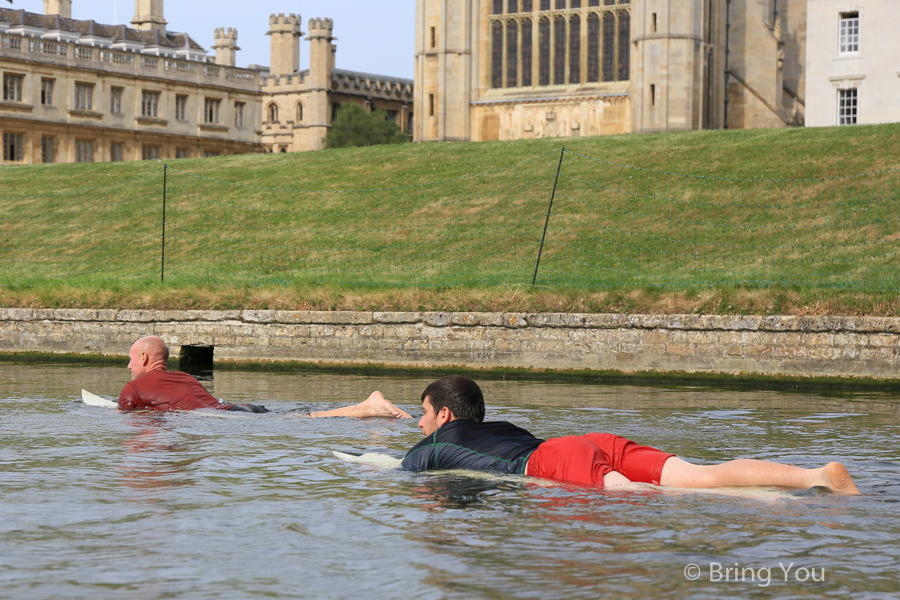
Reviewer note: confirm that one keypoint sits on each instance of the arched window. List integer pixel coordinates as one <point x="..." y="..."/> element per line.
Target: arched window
<point x="559" y="51"/>
<point x="593" y="50"/>
<point x="497" y="54"/>
<point x="526" y="53"/>
<point x="575" y="49"/>
<point x="299" y="112"/>
<point x="609" y="47"/>
<point x="273" y="113"/>
<point x="624" y="45"/>
<point x="512" y="54"/>
<point x="544" y="58"/>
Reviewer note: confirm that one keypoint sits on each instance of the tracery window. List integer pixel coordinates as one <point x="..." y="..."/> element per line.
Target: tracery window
<point x="544" y="78"/>
<point x="578" y="41"/>
<point x="526" y="53"/>
<point x="497" y="54"/>
<point x="575" y="49"/>
<point x="559" y="51"/>
<point x="512" y="53"/>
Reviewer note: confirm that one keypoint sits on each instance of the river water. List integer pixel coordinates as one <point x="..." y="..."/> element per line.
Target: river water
<point x="99" y="504"/>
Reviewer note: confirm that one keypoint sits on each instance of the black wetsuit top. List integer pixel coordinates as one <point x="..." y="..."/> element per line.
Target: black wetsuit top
<point x="462" y="444"/>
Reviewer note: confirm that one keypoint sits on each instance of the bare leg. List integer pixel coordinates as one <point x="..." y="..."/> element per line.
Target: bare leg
<point x="748" y="472"/>
<point x="374" y="406"/>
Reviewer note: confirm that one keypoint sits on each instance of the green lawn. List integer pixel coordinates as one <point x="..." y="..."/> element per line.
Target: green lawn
<point x="791" y="221"/>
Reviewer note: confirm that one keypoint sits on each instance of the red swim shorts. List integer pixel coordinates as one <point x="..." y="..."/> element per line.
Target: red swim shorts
<point x="584" y="460"/>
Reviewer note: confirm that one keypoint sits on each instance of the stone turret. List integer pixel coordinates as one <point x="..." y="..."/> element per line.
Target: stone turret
<point x="285" y="32"/>
<point x="62" y="8"/>
<point x="148" y="16"/>
<point x="321" y="65"/>
<point x="226" y="46"/>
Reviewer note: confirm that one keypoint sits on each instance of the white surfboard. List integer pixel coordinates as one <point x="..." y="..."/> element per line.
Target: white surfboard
<point x="94" y="400"/>
<point x="385" y="461"/>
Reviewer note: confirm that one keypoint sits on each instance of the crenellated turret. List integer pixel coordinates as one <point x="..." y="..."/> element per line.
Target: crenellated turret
<point x="285" y="32"/>
<point x="321" y="66"/>
<point x="226" y="46"/>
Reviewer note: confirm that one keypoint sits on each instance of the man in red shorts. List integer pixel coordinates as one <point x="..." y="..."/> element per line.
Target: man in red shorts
<point x="153" y="387"/>
<point x="458" y="438"/>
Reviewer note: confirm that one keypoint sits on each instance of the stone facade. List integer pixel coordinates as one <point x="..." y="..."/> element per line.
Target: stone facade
<point x="853" y="71"/>
<point x="798" y="346"/>
<point x="78" y="91"/>
<point x="299" y="106"/>
<point x="521" y="69"/>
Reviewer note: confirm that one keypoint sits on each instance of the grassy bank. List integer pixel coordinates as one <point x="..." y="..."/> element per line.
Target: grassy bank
<point x="756" y="227"/>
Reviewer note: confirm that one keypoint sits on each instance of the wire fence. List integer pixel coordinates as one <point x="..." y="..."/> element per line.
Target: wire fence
<point x="559" y="220"/>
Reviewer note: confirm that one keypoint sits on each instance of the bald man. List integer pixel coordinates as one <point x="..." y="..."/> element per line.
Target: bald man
<point x="153" y="387"/>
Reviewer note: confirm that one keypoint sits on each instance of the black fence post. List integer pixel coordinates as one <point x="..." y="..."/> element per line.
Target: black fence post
<point x="162" y="273"/>
<point x="537" y="265"/>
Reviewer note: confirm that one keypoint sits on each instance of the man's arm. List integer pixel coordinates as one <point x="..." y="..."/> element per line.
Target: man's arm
<point x="374" y="406"/>
<point x="129" y="398"/>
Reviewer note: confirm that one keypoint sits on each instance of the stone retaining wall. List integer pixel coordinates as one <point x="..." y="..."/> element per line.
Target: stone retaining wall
<point x="815" y="346"/>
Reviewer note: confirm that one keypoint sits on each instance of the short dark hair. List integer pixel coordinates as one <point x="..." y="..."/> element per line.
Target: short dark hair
<point x="460" y="394"/>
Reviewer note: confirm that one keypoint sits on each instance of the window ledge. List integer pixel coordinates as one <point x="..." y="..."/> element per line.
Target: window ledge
<point x="213" y="127"/>
<point x="89" y="114"/>
<point x="15" y="106"/>
<point x="152" y="121"/>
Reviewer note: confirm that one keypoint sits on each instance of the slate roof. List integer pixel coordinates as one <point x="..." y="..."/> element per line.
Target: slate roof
<point x="169" y="39"/>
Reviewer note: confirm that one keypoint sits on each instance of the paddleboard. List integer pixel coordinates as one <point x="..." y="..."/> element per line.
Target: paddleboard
<point x="385" y="461"/>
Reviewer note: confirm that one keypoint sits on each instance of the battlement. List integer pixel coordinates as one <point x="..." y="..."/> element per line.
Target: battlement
<point x="285" y="22"/>
<point x="225" y="34"/>
<point x="324" y="25"/>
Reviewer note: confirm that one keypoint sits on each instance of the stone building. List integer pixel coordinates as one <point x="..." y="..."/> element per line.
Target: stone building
<point x="853" y="64"/>
<point x="79" y="91"/>
<point x="520" y="69"/>
<point x="299" y="106"/>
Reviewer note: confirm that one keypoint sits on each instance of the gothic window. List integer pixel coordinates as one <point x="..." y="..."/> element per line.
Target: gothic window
<point x="567" y="49"/>
<point x="609" y="47"/>
<point x="273" y="113"/>
<point x="512" y="54"/>
<point x="575" y="49"/>
<point x="497" y="54"/>
<point x="498" y="7"/>
<point x="624" y="46"/>
<point x="593" y="49"/>
<point x="559" y="51"/>
<point x="544" y="58"/>
<point x="526" y="53"/>
<point x="299" y="112"/>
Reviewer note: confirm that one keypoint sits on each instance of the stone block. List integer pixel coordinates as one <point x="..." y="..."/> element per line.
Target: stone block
<point x="397" y="317"/>
<point x="437" y="319"/>
<point x="258" y="316"/>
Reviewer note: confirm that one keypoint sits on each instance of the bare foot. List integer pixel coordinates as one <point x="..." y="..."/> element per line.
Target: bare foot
<point x="376" y="405"/>
<point x="838" y="479"/>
